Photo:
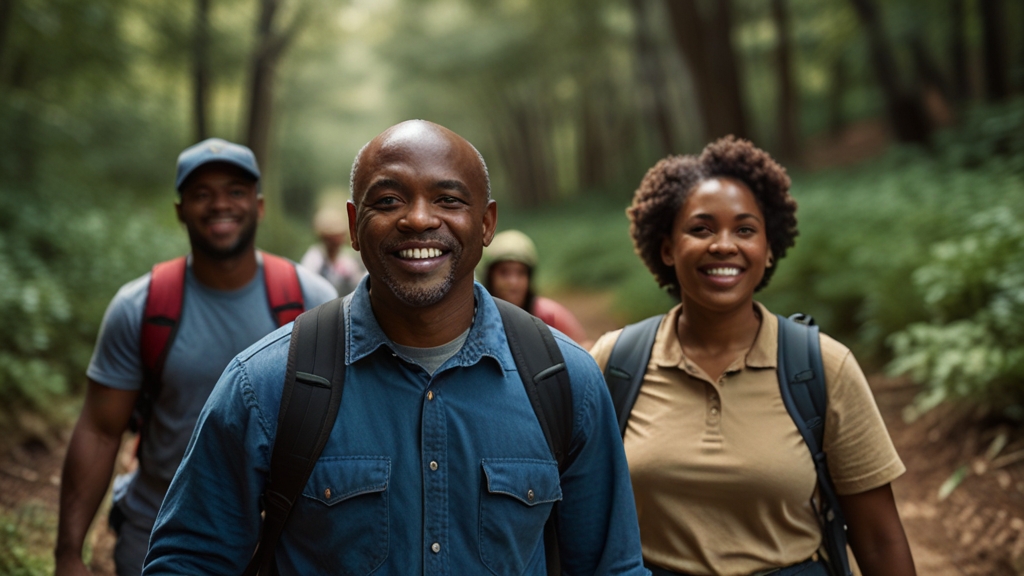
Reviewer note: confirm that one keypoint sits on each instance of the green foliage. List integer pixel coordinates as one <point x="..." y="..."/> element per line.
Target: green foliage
<point x="61" y="259"/>
<point x="26" y="541"/>
<point x="990" y="136"/>
<point x="973" y="346"/>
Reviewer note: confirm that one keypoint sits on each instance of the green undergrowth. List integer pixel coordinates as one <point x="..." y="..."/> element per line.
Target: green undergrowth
<point x="864" y="231"/>
<point x="26" y="540"/>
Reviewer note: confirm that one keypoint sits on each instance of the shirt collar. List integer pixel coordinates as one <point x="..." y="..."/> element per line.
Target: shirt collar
<point x="486" y="337"/>
<point x="762" y="354"/>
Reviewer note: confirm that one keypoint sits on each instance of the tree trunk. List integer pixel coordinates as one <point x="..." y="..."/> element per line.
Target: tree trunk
<point x="270" y="46"/>
<point x="836" y="97"/>
<point x="6" y="14"/>
<point x="993" y="13"/>
<point x="707" y="49"/>
<point x="526" y="150"/>
<point x="788" y="130"/>
<point x="651" y="79"/>
<point x="264" y="60"/>
<point x="928" y="71"/>
<point x="958" y="50"/>
<point x="201" y="69"/>
<point x="905" y="107"/>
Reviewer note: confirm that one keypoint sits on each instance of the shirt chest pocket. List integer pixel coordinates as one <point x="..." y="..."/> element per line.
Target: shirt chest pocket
<point x="516" y="501"/>
<point x="343" y="514"/>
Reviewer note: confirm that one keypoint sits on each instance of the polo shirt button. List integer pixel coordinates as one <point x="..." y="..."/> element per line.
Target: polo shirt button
<point x="435" y="547"/>
<point x="714" y="411"/>
<point x="430" y="394"/>
<point x="433" y="465"/>
<point x="529" y="495"/>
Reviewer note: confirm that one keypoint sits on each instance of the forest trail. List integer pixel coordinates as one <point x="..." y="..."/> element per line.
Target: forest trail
<point x="978" y="530"/>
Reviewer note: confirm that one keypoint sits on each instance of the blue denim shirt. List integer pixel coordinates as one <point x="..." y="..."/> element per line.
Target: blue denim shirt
<point x="433" y="475"/>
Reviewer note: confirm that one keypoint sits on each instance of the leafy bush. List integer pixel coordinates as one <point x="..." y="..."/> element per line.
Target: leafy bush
<point x="61" y="259"/>
<point x="973" y="288"/>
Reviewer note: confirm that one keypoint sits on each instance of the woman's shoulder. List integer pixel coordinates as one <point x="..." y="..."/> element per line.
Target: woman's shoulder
<point x="602" y="349"/>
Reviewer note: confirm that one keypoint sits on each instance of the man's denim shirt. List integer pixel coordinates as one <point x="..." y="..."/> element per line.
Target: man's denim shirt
<point x="433" y="475"/>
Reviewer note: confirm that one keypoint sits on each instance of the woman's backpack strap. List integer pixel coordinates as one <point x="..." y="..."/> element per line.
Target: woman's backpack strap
<point x="627" y="365"/>
<point x="802" y="384"/>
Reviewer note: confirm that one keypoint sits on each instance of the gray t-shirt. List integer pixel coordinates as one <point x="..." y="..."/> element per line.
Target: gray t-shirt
<point x="215" y="326"/>
<point x="430" y="359"/>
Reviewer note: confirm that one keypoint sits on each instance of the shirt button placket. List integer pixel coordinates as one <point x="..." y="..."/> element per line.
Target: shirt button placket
<point x="714" y="404"/>
<point x="435" y="483"/>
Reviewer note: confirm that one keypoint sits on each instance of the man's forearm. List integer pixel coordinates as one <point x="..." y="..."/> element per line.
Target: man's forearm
<point x="88" y="466"/>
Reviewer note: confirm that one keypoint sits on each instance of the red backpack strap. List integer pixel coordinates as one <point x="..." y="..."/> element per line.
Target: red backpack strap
<point x="284" y="293"/>
<point x="160" y="320"/>
<point x="162" y="314"/>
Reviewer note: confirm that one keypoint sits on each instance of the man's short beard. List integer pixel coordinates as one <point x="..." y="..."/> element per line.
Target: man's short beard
<point x="415" y="295"/>
<point x="245" y="243"/>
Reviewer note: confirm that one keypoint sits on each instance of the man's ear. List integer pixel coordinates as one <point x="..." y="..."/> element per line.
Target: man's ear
<point x="177" y="210"/>
<point x="353" y="238"/>
<point x="490" y="223"/>
<point x="259" y="207"/>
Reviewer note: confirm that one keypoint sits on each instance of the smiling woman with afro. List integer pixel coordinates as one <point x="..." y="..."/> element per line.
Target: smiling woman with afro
<point x="723" y="480"/>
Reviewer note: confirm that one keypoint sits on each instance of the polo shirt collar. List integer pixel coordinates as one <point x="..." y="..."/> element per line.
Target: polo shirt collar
<point x="762" y="354"/>
<point x="486" y="338"/>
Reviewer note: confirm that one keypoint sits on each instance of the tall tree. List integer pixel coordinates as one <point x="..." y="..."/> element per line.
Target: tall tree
<point x="836" y="96"/>
<point x="271" y="42"/>
<point x="6" y="12"/>
<point x="787" y="129"/>
<point x="958" y="49"/>
<point x="993" y="14"/>
<point x="201" y="69"/>
<point x="706" y="45"/>
<point x="651" y="77"/>
<point x="904" y="104"/>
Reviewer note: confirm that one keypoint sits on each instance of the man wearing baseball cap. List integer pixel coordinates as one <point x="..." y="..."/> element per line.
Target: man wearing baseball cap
<point x="165" y="339"/>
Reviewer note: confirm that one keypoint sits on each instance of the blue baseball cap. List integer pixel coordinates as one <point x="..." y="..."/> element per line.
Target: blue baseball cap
<point x="215" y="150"/>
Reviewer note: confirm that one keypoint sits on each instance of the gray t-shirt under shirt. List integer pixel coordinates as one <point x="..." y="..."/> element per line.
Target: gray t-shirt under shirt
<point x="430" y="359"/>
<point x="215" y="326"/>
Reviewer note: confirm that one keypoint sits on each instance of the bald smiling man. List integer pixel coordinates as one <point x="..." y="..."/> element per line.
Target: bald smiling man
<point x="435" y="429"/>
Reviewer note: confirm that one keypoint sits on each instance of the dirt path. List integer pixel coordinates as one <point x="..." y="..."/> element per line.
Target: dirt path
<point x="978" y="530"/>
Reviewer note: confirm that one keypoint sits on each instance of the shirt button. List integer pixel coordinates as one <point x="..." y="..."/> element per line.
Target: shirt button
<point x="714" y="411"/>
<point x="435" y="547"/>
<point x="327" y="493"/>
<point x="529" y="495"/>
<point x="433" y="465"/>
<point x="430" y="394"/>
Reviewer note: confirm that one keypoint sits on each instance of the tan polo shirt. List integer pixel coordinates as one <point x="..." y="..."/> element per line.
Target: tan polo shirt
<point x="722" y="478"/>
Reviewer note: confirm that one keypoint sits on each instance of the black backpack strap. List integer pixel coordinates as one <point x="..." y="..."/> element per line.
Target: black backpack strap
<point x="627" y="365"/>
<point x="802" y="384"/>
<point x="542" y="369"/>
<point x="313" y="384"/>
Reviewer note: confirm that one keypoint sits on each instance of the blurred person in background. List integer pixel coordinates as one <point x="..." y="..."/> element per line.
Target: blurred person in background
<point x="221" y="291"/>
<point x="722" y="476"/>
<point x="507" y="272"/>
<point x="331" y="256"/>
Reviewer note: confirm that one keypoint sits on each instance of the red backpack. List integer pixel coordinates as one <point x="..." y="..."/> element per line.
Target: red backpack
<point x="162" y="316"/>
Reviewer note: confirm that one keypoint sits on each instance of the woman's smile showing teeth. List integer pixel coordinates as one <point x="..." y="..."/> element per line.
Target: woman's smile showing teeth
<point x="722" y="271"/>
